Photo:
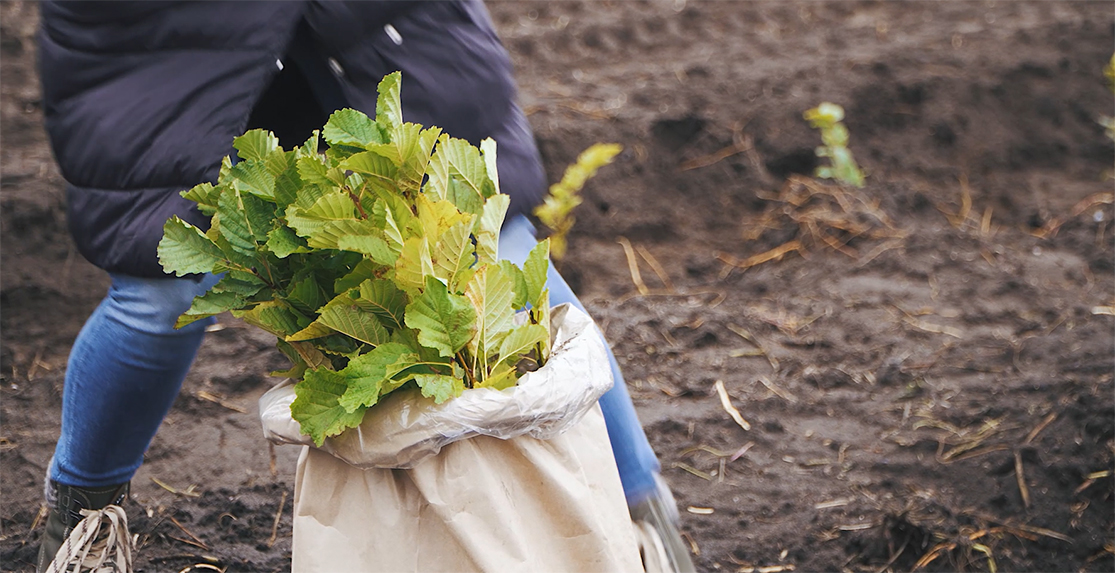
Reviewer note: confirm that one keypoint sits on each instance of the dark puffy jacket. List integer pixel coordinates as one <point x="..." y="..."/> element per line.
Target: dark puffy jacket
<point x="142" y="99"/>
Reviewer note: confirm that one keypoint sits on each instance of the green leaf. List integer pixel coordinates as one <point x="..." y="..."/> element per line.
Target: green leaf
<point x="444" y="321"/>
<point x="209" y="304"/>
<point x="306" y="295"/>
<point x="283" y="241"/>
<point x="371" y="245"/>
<point x="377" y="169"/>
<point x="503" y="377"/>
<point x="274" y="316"/>
<point x="488" y="150"/>
<point x="363" y="271"/>
<point x="185" y="250"/>
<point x="535" y="269"/>
<point x="314" y="331"/>
<point x="487" y="229"/>
<point x="330" y="207"/>
<point x="253" y="177"/>
<point x="414" y="265"/>
<point x="435" y="217"/>
<point x="520" y="341"/>
<point x="439" y="386"/>
<point x="453" y="255"/>
<point x="389" y="107"/>
<point x="239" y="282"/>
<point x="255" y="145"/>
<point x="455" y="160"/>
<point x="288" y="184"/>
<point x="392" y="214"/>
<point x="245" y="220"/>
<point x="344" y="314"/>
<point x="367" y="373"/>
<point x="385" y="300"/>
<point x="317" y="406"/>
<point x="206" y="197"/>
<point x="348" y="126"/>
<point x="491" y="293"/>
<point x="409" y="153"/>
<point x="518" y="284"/>
<point x="313" y="171"/>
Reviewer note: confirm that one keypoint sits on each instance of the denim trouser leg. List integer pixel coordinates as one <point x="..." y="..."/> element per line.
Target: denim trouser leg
<point x="634" y="456"/>
<point x="124" y="372"/>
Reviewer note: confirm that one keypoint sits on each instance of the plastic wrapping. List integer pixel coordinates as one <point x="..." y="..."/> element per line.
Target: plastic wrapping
<point x="405" y="427"/>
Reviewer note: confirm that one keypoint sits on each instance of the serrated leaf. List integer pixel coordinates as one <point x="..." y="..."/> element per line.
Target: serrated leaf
<point x="345" y="315"/>
<point x="376" y="168"/>
<point x="239" y="282"/>
<point x="518" y="284"/>
<point x="185" y="250"/>
<point x="288" y="183"/>
<point x="330" y="207"/>
<point x="503" y="377"/>
<point x="439" y="386"/>
<point x="314" y="331"/>
<point x="454" y="255"/>
<point x="317" y="407"/>
<point x="385" y="300"/>
<point x="389" y="107"/>
<point x="491" y="293"/>
<point x="363" y="271"/>
<point x="371" y="245"/>
<point x="487" y="229"/>
<point x="255" y="145"/>
<point x="435" y="217"/>
<point x="520" y="341"/>
<point x="306" y="295"/>
<point x="313" y="171"/>
<point x="455" y="160"/>
<point x="245" y="220"/>
<point x="367" y="373"/>
<point x="206" y="197"/>
<point x="488" y="150"/>
<point x="253" y="177"/>
<point x="535" y="270"/>
<point x="348" y="126"/>
<point x="209" y="304"/>
<point x="409" y="152"/>
<point x="444" y="321"/>
<point x="392" y="215"/>
<point x="283" y="241"/>
<point x="414" y="265"/>
<point x="274" y="316"/>
<point x="540" y="315"/>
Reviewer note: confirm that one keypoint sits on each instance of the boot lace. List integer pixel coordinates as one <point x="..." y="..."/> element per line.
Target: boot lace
<point x="100" y="543"/>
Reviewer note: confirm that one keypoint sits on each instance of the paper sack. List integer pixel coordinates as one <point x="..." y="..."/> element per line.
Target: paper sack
<point x="516" y="480"/>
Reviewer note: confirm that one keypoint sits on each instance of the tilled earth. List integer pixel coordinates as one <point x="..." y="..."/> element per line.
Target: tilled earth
<point x="926" y="369"/>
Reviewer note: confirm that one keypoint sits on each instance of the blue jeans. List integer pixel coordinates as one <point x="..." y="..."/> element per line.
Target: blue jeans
<point x="128" y="363"/>
<point x="124" y="371"/>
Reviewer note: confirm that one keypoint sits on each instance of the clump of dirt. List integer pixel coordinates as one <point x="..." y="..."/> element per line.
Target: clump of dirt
<point x="928" y="378"/>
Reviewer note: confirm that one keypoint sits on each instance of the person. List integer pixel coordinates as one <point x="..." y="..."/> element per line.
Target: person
<point x="143" y="100"/>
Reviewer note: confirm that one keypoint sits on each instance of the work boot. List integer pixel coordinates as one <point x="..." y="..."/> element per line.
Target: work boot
<point x="656" y="520"/>
<point x="74" y="531"/>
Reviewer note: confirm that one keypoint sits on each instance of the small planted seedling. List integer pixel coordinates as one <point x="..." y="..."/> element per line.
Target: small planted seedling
<point x="374" y="263"/>
<point x="556" y="211"/>
<point x="842" y="166"/>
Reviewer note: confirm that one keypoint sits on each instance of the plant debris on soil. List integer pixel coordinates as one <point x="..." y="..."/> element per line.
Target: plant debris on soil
<point x="925" y="365"/>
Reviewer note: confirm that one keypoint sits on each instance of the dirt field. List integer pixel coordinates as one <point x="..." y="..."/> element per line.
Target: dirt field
<point x="927" y="371"/>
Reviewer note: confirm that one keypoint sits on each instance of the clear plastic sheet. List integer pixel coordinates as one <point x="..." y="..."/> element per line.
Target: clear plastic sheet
<point x="405" y="427"/>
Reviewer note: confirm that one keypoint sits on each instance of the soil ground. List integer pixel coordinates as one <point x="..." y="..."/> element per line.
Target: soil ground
<point x="927" y="371"/>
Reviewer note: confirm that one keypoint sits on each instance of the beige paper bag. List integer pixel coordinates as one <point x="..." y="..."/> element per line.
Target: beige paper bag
<point x="482" y="504"/>
<point x="521" y="479"/>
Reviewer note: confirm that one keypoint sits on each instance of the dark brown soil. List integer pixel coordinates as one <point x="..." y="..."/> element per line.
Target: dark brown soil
<point x="937" y="391"/>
